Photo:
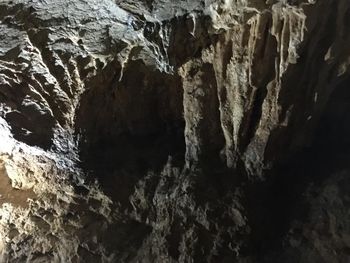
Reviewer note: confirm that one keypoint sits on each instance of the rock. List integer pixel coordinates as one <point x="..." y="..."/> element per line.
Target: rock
<point x="160" y="131"/>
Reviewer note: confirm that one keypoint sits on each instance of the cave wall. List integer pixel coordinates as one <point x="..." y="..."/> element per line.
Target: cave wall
<point x="271" y="68"/>
<point x="159" y="116"/>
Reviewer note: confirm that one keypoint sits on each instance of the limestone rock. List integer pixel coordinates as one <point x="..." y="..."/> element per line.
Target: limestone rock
<point x="148" y="131"/>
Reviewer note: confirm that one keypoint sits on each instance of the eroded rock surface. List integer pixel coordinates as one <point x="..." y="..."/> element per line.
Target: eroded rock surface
<point x="174" y="131"/>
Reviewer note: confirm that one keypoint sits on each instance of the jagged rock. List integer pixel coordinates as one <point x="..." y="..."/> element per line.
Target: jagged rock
<point x="141" y="131"/>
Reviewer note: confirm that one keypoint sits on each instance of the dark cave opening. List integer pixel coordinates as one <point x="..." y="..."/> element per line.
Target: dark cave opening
<point x="139" y="124"/>
<point x="282" y="199"/>
<point x="333" y="132"/>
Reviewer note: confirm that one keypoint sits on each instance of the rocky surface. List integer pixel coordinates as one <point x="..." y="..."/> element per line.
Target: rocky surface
<point x="174" y="131"/>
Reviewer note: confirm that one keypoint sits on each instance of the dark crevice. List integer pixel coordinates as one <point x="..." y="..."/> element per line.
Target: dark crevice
<point x="22" y="120"/>
<point x="279" y="201"/>
<point x="227" y="56"/>
<point x="211" y="131"/>
<point x="135" y="129"/>
<point x="265" y="73"/>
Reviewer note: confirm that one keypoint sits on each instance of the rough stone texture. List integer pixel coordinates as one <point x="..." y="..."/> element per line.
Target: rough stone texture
<point x="174" y="131"/>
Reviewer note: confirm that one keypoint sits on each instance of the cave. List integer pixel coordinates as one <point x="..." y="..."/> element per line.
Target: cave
<point x="138" y="128"/>
<point x="174" y="131"/>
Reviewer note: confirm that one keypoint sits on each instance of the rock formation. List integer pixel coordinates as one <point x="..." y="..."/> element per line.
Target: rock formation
<point x="174" y="131"/>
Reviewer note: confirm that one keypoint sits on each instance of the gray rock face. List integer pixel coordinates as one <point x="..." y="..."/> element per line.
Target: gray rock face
<point x="141" y="131"/>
